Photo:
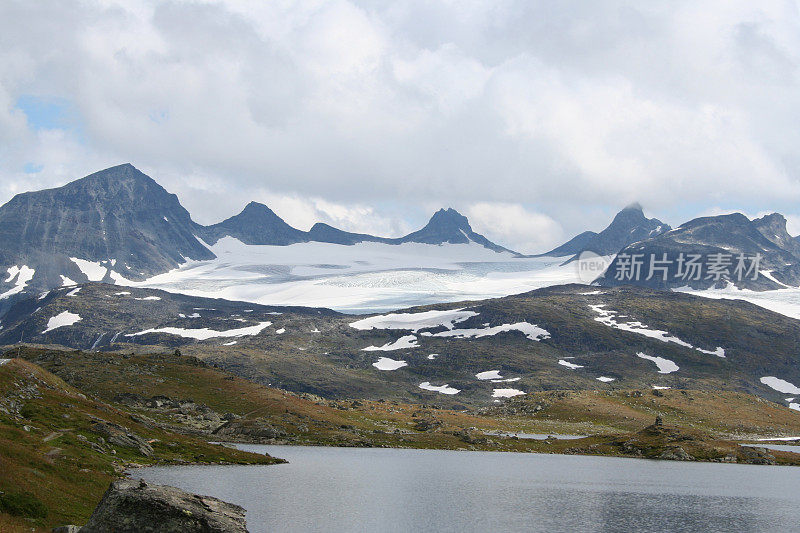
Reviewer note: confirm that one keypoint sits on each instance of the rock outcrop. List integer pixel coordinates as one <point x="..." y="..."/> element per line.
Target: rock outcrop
<point x="133" y="506"/>
<point x="120" y="436"/>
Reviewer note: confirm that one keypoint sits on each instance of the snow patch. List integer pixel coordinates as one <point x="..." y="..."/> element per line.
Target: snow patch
<point x="21" y="277"/>
<point x="609" y="318"/>
<point x="489" y="374"/>
<point x="384" y="363"/>
<point x="149" y="299"/>
<point x="658" y="387"/>
<point x="532" y="331"/>
<point x="442" y="389"/>
<point x="65" y="318"/>
<point x="433" y="356"/>
<point x="414" y="321"/>
<point x="571" y="366"/>
<point x="280" y="331"/>
<point x="93" y="271"/>
<point x="605" y="379"/>
<point x="66" y="282"/>
<point x="73" y="292"/>
<point x="780" y="385"/>
<point x="403" y="343"/>
<point x="665" y="366"/>
<point x="206" y="333"/>
<point x="719" y="352"/>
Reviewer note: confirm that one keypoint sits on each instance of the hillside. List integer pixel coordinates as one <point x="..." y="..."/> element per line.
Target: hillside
<point x="61" y="447"/>
<point x="468" y="353"/>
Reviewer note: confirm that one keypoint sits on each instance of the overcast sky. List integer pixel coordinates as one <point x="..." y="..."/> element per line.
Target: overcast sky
<point x="535" y="119"/>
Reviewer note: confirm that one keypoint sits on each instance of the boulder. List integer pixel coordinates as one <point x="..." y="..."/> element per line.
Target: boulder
<point x="675" y="453"/>
<point x="119" y="436"/>
<point x="133" y="506"/>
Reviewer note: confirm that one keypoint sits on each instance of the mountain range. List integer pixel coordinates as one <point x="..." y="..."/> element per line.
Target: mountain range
<point x="119" y="223"/>
<point x="723" y="239"/>
<point x="120" y="226"/>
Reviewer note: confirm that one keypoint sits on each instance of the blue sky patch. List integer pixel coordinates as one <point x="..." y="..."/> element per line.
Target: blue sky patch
<point x="32" y="168"/>
<point x="45" y="113"/>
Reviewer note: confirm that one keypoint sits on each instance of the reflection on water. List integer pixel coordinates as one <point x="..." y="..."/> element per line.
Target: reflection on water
<point x="376" y="490"/>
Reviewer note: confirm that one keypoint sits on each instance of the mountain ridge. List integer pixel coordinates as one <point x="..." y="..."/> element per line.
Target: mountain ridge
<point x="119" y="223"/>
<point x="628" y="226"/>
<point x="730" y="237"/>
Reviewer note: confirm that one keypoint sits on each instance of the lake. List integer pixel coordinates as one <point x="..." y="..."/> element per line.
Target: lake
<point x="392" y="490"/>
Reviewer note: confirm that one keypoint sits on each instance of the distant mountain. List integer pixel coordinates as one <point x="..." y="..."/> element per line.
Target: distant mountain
<point x="321" y="232"/>
<point x="116" y="220"/>
<point x="256" y="224"/>
<point x="119" y="223"/>
<point x="629" y="226"/>
<point x="728" y="235"/>
<point x="450" y="226"/>
<point x="574" y="246"/>
<point x="773" y="227"/>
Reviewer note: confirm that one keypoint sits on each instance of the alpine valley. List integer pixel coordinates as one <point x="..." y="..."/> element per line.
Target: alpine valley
<point x="132" y="334"/>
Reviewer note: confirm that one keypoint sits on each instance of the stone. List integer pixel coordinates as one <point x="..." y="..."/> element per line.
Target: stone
<point x="133" y="506"/>
<point x="119" y="436"/>
<point x="67" y="529"/>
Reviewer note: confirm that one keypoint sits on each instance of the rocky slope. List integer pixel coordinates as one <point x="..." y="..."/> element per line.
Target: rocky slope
<point x="469" y="353"/>
<point x="116" y="220"/>
<point x="60" y="447"/>
<point x="717" y="240"/>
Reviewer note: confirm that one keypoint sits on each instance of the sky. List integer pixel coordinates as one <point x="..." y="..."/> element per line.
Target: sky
<point x="536" y="119"/>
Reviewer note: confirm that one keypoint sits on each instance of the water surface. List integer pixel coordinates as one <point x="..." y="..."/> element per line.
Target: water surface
<point x="376" y="490"/>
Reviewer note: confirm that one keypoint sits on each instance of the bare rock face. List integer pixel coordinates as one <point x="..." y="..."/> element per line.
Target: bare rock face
<point x="133" y="506"/>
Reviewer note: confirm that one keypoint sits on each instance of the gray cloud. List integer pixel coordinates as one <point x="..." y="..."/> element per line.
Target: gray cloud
<point x="370" y="114"/>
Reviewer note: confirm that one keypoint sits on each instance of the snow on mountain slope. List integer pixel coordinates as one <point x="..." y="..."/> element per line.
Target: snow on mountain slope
<point x="784" y="301"/>
<point x="364" y="277"/>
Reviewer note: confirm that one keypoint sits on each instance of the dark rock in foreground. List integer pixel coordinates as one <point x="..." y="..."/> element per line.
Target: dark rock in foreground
<point x="133" y="506"/>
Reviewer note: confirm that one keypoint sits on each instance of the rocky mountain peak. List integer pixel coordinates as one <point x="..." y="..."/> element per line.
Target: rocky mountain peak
<point x="448" y="226"/>
<point x="628" y="226"/>
<point x="449" y="218"/>
<point x="117" y="218"/>
<point x="256" y="224"/>
<point x="773" y="228"/>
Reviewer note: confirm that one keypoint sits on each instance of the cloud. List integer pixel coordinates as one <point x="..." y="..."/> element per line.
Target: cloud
<point x="304" y="212"/>
<point x="341" y="106"/>
<point x="515" y="227"/>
